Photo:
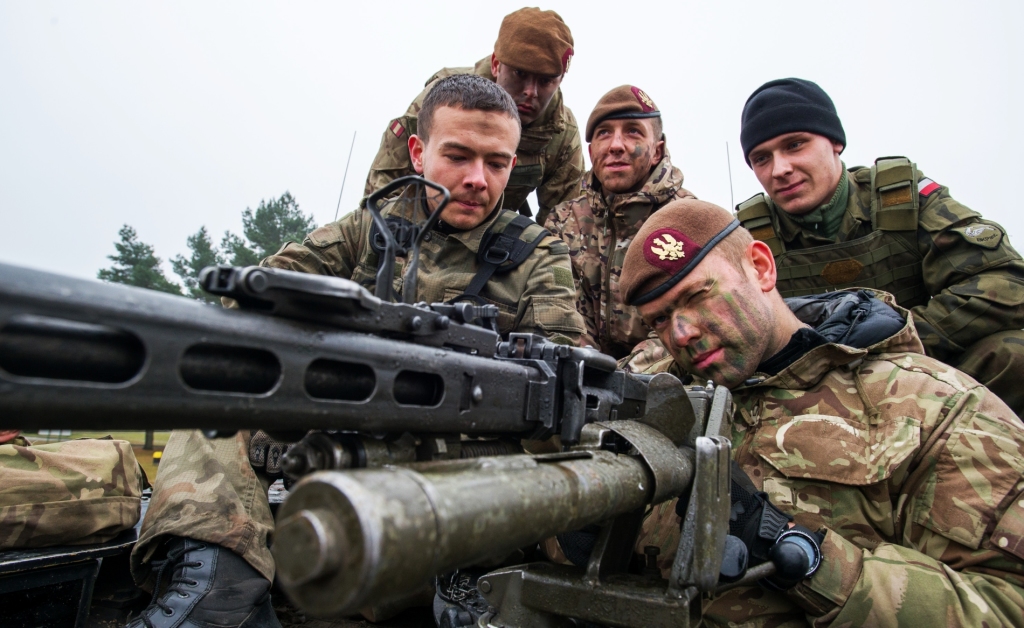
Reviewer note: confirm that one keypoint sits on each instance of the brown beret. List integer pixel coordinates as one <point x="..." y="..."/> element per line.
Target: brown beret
<point x="535" y="41"/>
<point x="625" y="101"/>
<point x="670" y="245"/>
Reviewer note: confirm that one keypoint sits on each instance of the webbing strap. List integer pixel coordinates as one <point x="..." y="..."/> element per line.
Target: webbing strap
<point x="500" y="252"/>
<point x="867" y="258"/>
<point x="882" y="281"/>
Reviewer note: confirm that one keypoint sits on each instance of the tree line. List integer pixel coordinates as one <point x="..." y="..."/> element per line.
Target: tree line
<point x="264" y="231"/>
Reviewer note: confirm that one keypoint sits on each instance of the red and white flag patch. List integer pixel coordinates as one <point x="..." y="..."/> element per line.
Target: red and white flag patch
<point x="397" y="128"/>
<point x="925" y="187"/>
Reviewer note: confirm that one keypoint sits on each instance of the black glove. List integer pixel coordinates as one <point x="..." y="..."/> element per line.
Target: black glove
<point x="761" y="532"/>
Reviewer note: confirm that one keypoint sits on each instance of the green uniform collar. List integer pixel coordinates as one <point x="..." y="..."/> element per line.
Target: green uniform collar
<point x="825" y="220"/>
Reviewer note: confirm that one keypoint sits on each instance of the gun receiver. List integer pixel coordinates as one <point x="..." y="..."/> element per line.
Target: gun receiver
<point x="305" y="352"/>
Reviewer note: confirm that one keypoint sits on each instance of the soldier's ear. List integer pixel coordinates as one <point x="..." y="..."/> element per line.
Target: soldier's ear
<point x="659" y="151"/>
<point x="763" y="264"/>
<point x="416" y="149"/>
<point x="495" y="64"/>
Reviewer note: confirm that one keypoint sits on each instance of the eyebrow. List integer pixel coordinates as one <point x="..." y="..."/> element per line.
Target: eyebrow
<point x="455" y="145"/>
<point x="686" y="295"/>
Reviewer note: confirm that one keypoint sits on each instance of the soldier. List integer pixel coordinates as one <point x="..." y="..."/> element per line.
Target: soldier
<point x="209" y="507"/>
<point x="887" y="227"/>
<point x="632" y="178"/>
<point x="903" y="476"/>
<point x="530" y="58"/>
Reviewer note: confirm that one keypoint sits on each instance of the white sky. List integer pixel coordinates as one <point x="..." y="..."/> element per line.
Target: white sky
<point x="170" y="116"/>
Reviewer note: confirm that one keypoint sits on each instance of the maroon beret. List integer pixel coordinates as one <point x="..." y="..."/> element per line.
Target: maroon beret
<point x="625" y="101"/>
<point x="670" y="245"/>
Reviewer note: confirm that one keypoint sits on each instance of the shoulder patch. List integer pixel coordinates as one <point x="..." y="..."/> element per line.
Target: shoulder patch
<point x="927" y="187"/>
<point x="981" y="234"/>
<point x="396" y="128"/>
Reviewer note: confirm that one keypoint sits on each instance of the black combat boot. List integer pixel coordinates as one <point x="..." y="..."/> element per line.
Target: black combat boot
<point x="210" y="587"/>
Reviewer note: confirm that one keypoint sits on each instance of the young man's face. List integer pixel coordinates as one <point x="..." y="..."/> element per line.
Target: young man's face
<point x="799" y="171"/>
<point x="717" y="322"/>
<point x="471" y="153"/>
<point x="531" y="91"/>
<point x="623" y="153"/>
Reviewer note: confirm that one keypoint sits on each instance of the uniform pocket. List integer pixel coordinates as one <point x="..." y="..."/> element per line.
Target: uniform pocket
<point x="837" y="473"/>
<point x="555" y="314"/>
<point x="975" y="472"/>
<point x="824" y="447"/>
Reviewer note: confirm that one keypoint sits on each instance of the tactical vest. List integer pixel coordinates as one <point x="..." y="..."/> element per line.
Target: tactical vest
<point x="886" y="259"/>
<point x="507" y="243"/>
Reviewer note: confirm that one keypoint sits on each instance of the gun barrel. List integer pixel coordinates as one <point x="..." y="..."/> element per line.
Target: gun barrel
<point x="347" y="539"/>
<point x="86" y="355"/>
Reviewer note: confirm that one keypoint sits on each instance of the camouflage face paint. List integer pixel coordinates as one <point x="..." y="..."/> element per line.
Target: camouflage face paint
<point x="715" y="323"/>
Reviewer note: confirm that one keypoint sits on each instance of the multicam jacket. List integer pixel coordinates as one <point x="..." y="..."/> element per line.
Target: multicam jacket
<point x="914" y="471"/>
<point x="903" y="233"/>
<point x="549" y="157"/>
<point x="535" y="297"/>
<point x="598" y="229"/>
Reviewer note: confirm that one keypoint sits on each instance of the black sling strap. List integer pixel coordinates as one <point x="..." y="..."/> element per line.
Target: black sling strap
<point x="500" y="252"/>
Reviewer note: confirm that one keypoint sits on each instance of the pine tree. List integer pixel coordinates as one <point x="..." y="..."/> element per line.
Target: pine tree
<point x="203" y="254"/>
<point x="136" y="265"/>
<point x="266" y="230"/>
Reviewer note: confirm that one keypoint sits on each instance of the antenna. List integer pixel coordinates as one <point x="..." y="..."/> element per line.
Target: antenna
<point x="345" y="176"/>
<point x="728" y="164"/>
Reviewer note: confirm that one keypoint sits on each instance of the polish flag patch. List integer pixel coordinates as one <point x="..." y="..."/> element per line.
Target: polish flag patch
<point x="925" y="187"/>
<point x="397" y="128"/>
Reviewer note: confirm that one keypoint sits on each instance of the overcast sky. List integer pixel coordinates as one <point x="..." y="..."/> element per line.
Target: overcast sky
<point x="171" y="116"/>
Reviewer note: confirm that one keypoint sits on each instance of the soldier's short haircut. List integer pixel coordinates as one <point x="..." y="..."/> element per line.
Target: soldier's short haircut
<point x="656" y="128"/>
<point x="734" y="247"/>
<point x="465" y="91"/>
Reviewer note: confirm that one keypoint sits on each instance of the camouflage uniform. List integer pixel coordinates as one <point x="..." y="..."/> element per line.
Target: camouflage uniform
<point x="956" y="271"/>
<point x="70" y="493"/>
<point x="595" y="225"/>
<point x="549" y="157"/>
<point x="915" y="471"/>
<point x="207" y="490"/>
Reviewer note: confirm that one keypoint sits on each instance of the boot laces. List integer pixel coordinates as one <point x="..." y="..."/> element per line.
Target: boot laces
<point x="177" y="580"/>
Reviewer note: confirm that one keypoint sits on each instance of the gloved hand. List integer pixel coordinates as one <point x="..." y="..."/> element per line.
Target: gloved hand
<point x="760" y="532"/>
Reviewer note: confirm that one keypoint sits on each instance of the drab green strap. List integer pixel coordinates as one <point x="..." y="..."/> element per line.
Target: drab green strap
<point x="866" y="259"/>
<point x="894" y="176"/>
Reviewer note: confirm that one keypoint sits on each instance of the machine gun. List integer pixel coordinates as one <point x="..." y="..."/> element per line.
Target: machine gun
<point x="409" y="401"/>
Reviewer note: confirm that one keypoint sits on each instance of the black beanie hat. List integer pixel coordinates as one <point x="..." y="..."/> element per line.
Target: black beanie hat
<point x="786" y="106"/>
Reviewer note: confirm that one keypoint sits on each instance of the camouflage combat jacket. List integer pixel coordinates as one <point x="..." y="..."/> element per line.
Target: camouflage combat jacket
<point x="549" y="158"/>
<point x="598" y="229"/>
<point x="914" y="471"/>
<point x="904" y="234"/>
<point x="535" y="297"/>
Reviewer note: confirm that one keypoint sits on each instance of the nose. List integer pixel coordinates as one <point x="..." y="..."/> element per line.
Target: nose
<point x="530" y="88"/>
<point x="683" y="332"/>
<point x="781" y="167"/>
<point x="474" y="175"/>
<point x="618" y="143"/>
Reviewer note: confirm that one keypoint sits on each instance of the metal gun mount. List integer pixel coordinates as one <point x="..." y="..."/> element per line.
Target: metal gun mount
<point x="350" y="539"/>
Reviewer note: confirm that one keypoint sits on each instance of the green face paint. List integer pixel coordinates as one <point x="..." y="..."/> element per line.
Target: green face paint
<point x="720" y="325"/>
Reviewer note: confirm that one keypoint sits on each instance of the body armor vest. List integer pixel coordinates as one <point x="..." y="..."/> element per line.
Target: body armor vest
<point x="886" y="259"/>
